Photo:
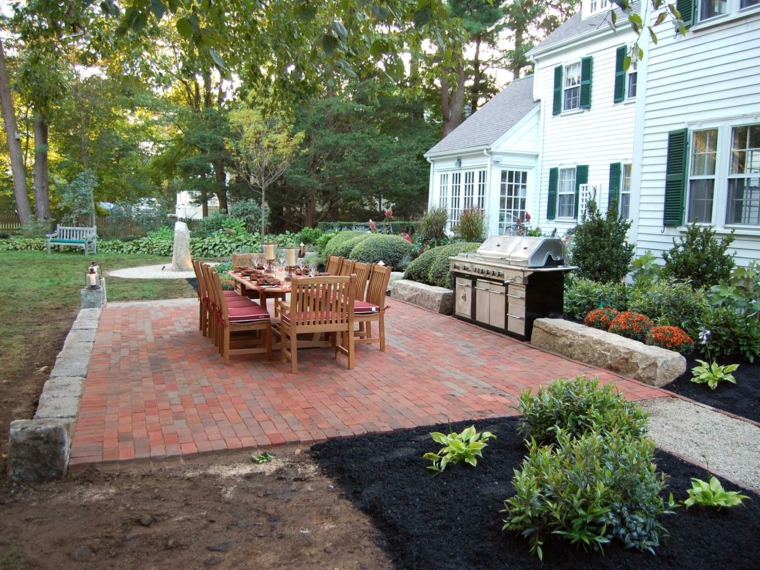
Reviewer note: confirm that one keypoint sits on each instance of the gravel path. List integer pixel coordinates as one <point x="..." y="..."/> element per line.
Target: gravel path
<point x="730" y="447"/>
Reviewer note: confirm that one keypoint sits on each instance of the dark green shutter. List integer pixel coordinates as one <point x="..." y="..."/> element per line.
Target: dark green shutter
<point x="586" y="65"/>
<point x="581" y="177"/>
<point x="686" y="9"/>
<point x="551" y="209"/>
<point x="614" y="194"/>
<point x="622" y="51"/>
<point x="557" y="108"/>
<point x="675" y="176"/>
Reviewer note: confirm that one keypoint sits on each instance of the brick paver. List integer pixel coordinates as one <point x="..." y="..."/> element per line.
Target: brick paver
<point x="157" y="388"/>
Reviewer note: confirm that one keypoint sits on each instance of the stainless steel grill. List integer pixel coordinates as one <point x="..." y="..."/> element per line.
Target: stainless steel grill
<point x="509" y="282"/>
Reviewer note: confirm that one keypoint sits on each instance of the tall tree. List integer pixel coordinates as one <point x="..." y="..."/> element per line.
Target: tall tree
<point x="14" y="142"/>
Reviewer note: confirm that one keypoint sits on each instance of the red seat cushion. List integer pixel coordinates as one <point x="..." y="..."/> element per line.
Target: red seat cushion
<point x="247" y="314"/>
<point x="365" y="308"/>
<point x="319" y="315"/>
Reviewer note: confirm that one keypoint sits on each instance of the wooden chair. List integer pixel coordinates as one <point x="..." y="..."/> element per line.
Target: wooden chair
<point x="244" y="259"/>
<point x="362" y="271"/>
<point x="333" y="264"/>
<point x="212" y="304"/>
<point x="318" y="305"/>
<point x="235" y="320"/>
<point x="347" y="267"/>
<point x="373" y="309"/>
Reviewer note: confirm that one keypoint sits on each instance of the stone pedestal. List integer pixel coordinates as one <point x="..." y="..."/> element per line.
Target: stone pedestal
<point x="438" y="299"/>
<point x="38" y="450"/>
<point x="92" y="298"/>
<point x="181" y="259"/>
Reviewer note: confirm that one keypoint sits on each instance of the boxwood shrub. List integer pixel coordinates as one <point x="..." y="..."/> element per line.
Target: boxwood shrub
<point x="439" y="274"/>
<point x="583" y="296"/>
<point x="391" y="250"/>
<point x="669" y="302"/>
<point x="578" y="405"/>
<point x="419" y="269"/>
<point x="339" y="238"/>
<point x="590" y="491"/>
<point x="346" y="246"/>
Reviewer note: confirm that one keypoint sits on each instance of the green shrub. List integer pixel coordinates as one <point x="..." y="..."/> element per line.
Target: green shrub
<point x="599" y="247"/>
<point x="741" y="292"/>
<point x="472" y="225"/>
<point x="669" y="302"/>
<point x="323" y="240"/>
<point x="440" y="275"/>
<point x="391" y="250"/>
<point x="309" y="236"/>
<point x="670" y="338"/>
<point x="345" y="247"/>
<point x="26" y="244"/>
<point x="699" y="257"/>
<point x="583" y="296"/>
<point x="600" y="318"/>
<point x="419" y="269"/>
<point x="578" y="405"/>
<point x="249" y="211"/>
<point x="211" y="224"/>
<point x="631" y="325"/>
<point x="433" y="225"/>
<point x="590" y="491"/>
<point x="645" y="270"/>
<point x="339" y="238"/>
<point x="732" y="334"/>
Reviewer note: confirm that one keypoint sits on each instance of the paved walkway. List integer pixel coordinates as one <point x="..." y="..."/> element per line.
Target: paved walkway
<point x="157" y="388"/>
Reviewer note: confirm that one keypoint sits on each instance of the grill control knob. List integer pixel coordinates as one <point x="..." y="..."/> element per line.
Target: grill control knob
<point x="456" y="266"/>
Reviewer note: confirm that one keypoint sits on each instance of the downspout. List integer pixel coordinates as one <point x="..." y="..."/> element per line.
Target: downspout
<point x="431" y="183"/>
<point x="538" y="177"/>
<point x="489" y="198"/>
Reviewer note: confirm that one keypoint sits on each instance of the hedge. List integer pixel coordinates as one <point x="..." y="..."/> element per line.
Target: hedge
<point x="391" y="250"/>
<point x="440" y="275"/>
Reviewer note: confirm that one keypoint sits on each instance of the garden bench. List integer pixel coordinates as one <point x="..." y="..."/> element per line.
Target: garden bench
<point x="86" y="238"/>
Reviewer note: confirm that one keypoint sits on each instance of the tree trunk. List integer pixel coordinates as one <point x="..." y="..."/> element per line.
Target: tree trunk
<point x="453" y="106"/>
<point x="221" y="186"/>
<point x="14" y="145"/>
<point x="41" y="180"/>
<point x="477" y="77"/>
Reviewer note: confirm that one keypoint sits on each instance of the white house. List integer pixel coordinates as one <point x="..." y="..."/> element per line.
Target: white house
<point x="674" y="138"/>
<point x="699" y="135"/>
<point x="189" y="208"/>
<point x="491" y="160"/>
<point x="587" y="117"/>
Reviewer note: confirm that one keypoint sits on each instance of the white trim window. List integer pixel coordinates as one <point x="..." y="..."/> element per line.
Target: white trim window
<point x="704" y="154"/>
<point x="743" y="201"/>
<point x="571" y="88"/>
<point x="625" y="192"/>
<point x="631" y="81"/>
<point x="748" y="3"/>
<point x="481" y="204"/>
<point x="566" y="193"/>
<point x="455" y="208"/>
<point x="512" y="199"/>
<point x="469" y="189"/>
<point x="443" y="190"/>
<point x="711" y="8"/>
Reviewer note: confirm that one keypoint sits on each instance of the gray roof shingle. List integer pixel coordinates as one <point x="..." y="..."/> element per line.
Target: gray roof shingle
<point x="490" y="122"/>
<point x="576" y="27"/>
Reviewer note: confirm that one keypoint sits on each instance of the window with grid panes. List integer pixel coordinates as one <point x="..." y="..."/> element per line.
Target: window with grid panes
<point x="443" y="191"/>
<point x="512" y="196"/>
<point x="625" y="192"/>
<point x="571" y="95"/>
<point x="566" y="193"/>
<point x="481" y="203"/>
<point x="743" y="201"/>
<point x="455" y="208"/>
<point x="469" y="189"/>
<point x="702" y="176"/>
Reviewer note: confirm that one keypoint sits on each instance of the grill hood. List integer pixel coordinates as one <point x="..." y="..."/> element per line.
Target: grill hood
<point x="523" y="251"/>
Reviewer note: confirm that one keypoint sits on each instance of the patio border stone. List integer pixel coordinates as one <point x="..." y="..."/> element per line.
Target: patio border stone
<point x="436" y="299"/>
<point x="39" y="448"/>
<point x="649" y="364"/>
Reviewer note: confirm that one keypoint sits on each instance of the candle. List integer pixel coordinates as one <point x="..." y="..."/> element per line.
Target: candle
<point x="92" y="279"/>
<point x="270" y="251"/>
<point x="290" y="257"/>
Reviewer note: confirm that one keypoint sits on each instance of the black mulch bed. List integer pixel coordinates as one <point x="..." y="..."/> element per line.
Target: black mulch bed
<point x="742" y="398"/>
<point x="452" y="521"/>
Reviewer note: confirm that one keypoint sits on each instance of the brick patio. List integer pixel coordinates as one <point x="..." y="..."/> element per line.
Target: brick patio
<point x="157" y="388"/>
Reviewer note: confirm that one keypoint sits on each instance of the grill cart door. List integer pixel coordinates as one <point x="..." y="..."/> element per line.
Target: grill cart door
<point x="463" y="298"/>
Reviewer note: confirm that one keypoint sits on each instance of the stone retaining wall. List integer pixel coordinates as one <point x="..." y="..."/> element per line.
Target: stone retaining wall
<point x="39" y="448"/>
<point x="438" y="299"/>
<point x="649" y="364"/>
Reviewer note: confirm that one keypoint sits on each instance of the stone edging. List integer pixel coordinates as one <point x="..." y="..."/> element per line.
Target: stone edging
<point x="39" y="448"/>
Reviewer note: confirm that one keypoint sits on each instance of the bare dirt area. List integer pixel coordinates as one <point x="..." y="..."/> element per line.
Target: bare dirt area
<point x="220" y="512"/>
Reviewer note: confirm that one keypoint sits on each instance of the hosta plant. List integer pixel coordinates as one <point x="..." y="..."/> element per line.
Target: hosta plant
<point x="713" y="374"/>
<point x="712" y="494"/>
<point x="466" y="446"/>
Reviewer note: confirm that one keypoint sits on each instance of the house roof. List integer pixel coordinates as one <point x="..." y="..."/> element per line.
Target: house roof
<point x="576" y="26"/>
<point x="492" y="120"/>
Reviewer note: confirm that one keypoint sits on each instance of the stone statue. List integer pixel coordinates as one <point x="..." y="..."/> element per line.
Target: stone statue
<point x="181" y="260"/>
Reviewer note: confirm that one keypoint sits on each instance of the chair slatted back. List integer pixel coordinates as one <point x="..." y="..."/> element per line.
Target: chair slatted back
<point x="321" y="301"/>
<point x="362" y="271"/>
<point x="333" y="264"/>
<point x="378" y="285"/>
<point x="244" y="259"/>
<point x="347" y="267"/>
